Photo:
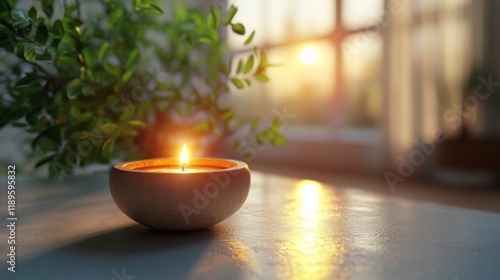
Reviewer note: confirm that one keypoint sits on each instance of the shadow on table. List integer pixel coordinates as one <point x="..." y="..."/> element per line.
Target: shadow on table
<point x="133" y="250"/>
<point x="42" y="194"/>
<point x="140" y="239"/>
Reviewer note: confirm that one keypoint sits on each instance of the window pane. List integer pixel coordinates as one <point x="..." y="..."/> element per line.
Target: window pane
<point x="250" y="14"/>
<point x="278" y="21"/>
<point x="303" y="81"/>
<point x="362" y="76"/>
<point x="361" y="13"/>
<point x="315" y="17"/>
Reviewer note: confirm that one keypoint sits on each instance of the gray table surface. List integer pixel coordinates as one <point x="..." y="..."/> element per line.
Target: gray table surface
<point x="287" y="229"/>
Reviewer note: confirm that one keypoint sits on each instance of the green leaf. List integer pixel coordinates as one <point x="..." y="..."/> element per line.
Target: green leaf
<point x="128" y="75"/>
<point x="5" y="29"/>
<point x="85" y="117"/>
<point x="74" y="89"/>
<point x="137" y="123"/>
<point x="254" y="125"/>
<point x="88" y="57"/>
<point x="279" y="139"/>
<point x="74" y="111"/>
<point x="140" y="4"/>
<point x="229" y="115"/>
<point x="48" y="7"/>
<point x="276" y="125"/>
<point x="57" y="167"/>
<point x="30" y="52"/>
<point x="114" y="17"/>
<point x="19" y="113"/>
<point x="206" y="39"/>
<point x="129" y="132"/>
<point x="264" y="137"/>
<point x="32" y="13"/>
<point x="263" y="60"/>
<point x="44" y="160"/>
<point x="261" y="77"/>
<point x="230" y="14"/>
<point x="203" y="126"/>
<point x="240" y="66"/>
<point x="18" y="16"/>
<point x="215" y="14"/>
<point x="32" y="117"/>
<point x="180" y="12"/>
<point x="154" y="9"/>
<point x="249" y="64"/>
<point x="42" y="34"/>
<point x="5" y="117"/>
<point x="7" y="43"/>
<point x="112" y="69"/>
<point x="238" y="28"/>
<point x="58" y="29"/>
<point x="20" y="51"/>
<point x="102" y="51"/>
<point x="28" y="80"/>
<point x="238" y="83"/>
<point x="66" y="60"/>
<point x="132" y="58"/>
<point x="67" y="44"/>
<point x="250" y="38"/>
<point x="47" y="144"/>
<point x="79" y="135"/>
<point x="70" y="9"/>
<point x="29" y="89"/>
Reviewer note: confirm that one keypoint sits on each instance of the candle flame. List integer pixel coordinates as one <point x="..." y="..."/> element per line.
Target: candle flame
<point x="184" y="157"/>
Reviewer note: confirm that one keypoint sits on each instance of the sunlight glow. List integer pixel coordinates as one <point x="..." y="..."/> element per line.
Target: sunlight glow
<point x="309" y="55"/>
<point x="309" y="194"/>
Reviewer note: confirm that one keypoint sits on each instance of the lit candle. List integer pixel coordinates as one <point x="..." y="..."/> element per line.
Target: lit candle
<point x="179" y="193"/>
<point x="183" y="167"/>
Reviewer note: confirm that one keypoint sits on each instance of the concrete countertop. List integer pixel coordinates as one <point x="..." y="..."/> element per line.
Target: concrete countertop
<point x="287" y="229"/>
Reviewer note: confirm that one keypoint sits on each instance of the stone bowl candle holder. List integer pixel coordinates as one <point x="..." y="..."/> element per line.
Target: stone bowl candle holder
<point x="165" y="195"/>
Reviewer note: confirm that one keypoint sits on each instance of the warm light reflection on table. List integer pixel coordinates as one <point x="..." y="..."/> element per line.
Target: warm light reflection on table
<point x="310" y="251"/>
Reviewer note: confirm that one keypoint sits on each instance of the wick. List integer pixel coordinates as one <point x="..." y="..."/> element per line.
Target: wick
<point x="183" y="166"/>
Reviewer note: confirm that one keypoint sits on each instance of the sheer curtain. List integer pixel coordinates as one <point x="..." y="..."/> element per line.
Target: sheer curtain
<point x="428" y="56"/>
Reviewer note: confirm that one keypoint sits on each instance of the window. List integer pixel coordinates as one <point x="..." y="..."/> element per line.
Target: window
<point x="328" y="58"/>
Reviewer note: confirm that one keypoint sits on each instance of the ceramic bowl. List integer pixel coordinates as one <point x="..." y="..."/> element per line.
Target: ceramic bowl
<point x="179" y="201"/>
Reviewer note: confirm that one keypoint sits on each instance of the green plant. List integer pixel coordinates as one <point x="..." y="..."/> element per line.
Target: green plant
<point x="118" y="79"/>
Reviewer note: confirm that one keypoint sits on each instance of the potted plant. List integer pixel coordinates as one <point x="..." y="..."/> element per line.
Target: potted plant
<point x="119" y="79"/>
<point x="471" y="156"/>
